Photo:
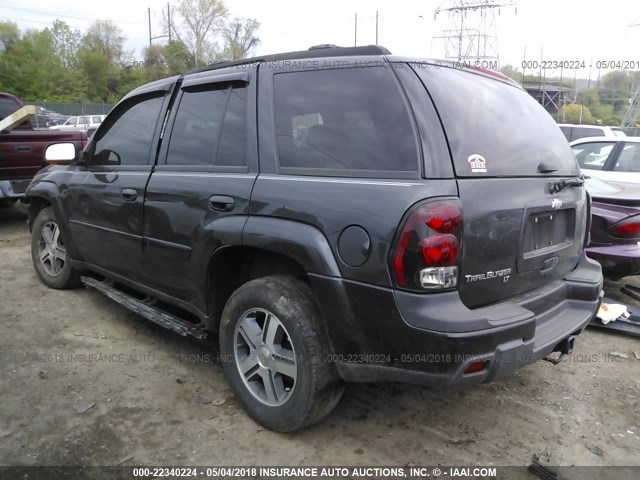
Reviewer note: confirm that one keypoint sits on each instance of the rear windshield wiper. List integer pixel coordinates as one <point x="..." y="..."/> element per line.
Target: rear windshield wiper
<point x="560" y="185"/>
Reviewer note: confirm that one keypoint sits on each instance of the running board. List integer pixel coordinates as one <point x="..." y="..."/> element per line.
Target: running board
<point x="149" y="312"/>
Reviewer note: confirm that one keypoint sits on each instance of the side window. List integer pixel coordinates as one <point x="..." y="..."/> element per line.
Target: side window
<point x="72" y="121"/>
<point x="196" y="127"/>
<point x="96" y="120"/>
<point x="83" y="120"/>
<point x="567" y="132"/>
<point x="629" y="158"/>
<point x="353" y="121"/>
<point x="210" y="128"/>
<point x="582" y="132"/>
<point x="592" y="156"/>
<point x="232" y="148"/>
<point x="128" y="136"/>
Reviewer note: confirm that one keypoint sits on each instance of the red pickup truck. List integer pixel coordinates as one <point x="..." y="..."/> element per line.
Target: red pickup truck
<point x="21" y="151"/>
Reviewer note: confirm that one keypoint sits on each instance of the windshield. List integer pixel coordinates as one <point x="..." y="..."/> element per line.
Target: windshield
<point x="495" y="129"/>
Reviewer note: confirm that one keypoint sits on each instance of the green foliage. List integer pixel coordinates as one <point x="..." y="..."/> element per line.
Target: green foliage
<point x="61" y="64"/>
<point x="575" y="113"/>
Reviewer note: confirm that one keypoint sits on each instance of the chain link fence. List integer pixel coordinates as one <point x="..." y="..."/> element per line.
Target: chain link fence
<point x="70" y="109"/>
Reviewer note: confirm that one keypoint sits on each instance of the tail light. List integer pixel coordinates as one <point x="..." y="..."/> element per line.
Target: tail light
<point x="627" y="228"/>
<point x="428" y="246"/>
<point x="587" y="233"/>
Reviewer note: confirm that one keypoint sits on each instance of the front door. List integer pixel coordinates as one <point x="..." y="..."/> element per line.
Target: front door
<point x="105" y="195"/>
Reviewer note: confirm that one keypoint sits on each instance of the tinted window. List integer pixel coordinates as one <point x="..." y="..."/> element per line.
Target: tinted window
<point x="583" y="132"/>
<point x="629" y="158"/>
<point x="197" y="127"/>
<point x="346" y="120"/>
<point x="128" y="137"/>
<point x="7" y="107"/>
<point x="232" y="149"/>
<point x="592" y="156"/>
<point x="495" y="129"/>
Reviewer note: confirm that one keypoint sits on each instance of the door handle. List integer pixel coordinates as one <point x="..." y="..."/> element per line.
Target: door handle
<point x="129" y="194"/>
<point x="23" y="148"/>
<point x="221" y="203"/>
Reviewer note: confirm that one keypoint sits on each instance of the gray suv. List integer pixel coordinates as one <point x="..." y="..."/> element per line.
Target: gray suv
<point x="331" y="215"/>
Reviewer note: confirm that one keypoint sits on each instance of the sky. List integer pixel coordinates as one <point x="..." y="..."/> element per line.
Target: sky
<point x="551" y="30"/>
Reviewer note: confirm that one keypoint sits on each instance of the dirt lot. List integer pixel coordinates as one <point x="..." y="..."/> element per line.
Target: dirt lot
<point x="161" y="399"/>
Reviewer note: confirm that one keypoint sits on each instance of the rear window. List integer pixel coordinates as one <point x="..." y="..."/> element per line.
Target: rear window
<point x="351" y="122"/>
<point x="584" y="132"/>
<point x="495" y="129"/>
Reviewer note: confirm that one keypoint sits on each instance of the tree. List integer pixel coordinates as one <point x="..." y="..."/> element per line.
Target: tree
<point x="9" y="34"/>
<point x="66" y="42"/>
<point x="512" y="73"/>
<point x="105" y="37"/>
<point x="575" y="113"/>
<point x="240" y="36"/>
<point x="196" y="24"/>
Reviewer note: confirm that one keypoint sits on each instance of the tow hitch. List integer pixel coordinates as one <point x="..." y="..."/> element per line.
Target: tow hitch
<point x="565" y="347"/>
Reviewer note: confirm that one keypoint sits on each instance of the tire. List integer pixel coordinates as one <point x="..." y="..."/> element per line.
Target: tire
<point x="267" y="324"/>
<point x="49" y="253"/>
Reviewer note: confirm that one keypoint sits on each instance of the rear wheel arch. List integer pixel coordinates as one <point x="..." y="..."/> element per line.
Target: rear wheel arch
<point x="233" y="266"/>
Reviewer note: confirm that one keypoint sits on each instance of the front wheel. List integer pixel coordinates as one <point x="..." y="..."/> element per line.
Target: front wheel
<point x="275" y="354"/>
<point x="49" y="252"/>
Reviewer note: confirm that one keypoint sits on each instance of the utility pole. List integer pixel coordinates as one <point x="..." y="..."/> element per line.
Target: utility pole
<point x="169" y="19"/>
<point x="376" y="27"/>
<point x="355" y="35"/>
<point x="149" y="15"/>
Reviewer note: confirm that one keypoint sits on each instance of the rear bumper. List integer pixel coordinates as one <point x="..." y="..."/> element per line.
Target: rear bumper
<point x="617" y="260"/>
<point x="13" y="189"/>
<point x="385" y="335"/>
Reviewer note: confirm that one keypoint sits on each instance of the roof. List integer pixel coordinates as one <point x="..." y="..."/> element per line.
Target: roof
<point x="608" y="138"/>
<point x="318" y="51"/>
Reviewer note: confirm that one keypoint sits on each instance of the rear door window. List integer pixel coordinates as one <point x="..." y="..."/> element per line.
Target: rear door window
<point x="210" y="128"/>
<point x="629" y="158"/>
<point x="351" y="122"/>
<point x="593" y="155"/>
<point x="494" y="128"/>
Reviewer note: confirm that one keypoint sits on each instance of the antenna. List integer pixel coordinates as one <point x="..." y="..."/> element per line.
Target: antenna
<point x="471" y="32"/>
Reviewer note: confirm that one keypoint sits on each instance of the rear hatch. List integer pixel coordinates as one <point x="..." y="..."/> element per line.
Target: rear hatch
<point x="509" y="156"/>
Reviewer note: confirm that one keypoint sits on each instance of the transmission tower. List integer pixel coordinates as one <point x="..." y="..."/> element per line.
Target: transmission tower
<point x="471" y="32"/>
<point x="633" y="112"/>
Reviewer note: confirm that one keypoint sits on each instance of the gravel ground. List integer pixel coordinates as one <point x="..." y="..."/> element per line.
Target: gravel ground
<point x="85" y="382"/>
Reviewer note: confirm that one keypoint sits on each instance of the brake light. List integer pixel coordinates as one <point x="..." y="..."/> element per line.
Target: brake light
<point x="627" y="228"/>
<point x="428" y="247"/>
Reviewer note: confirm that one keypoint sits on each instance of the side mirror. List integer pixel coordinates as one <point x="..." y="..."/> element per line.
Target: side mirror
<point x="60" y="153"/>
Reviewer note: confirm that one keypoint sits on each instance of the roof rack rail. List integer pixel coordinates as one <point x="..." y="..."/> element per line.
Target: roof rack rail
<point x="316" y="51"/>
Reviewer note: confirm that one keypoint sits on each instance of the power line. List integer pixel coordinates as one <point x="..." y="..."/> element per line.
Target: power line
<point x="59" y="15"/>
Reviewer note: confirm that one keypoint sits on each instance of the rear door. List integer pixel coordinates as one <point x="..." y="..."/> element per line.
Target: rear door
<point x="104" y="197"/>
<point x="199" y="192"/>
<point x="508" y="156"/>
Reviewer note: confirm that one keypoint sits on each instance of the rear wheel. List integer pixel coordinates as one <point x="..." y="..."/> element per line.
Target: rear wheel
<point x="275" y="351"/>
<point x="49" y="252"/>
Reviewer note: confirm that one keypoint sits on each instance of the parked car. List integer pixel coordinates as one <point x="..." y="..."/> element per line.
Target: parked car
<point x="22" y="150"/>
<point x="574" y="132"/>
<point x="615" y="227"/>
<point x="83" y="122"/>
<point x="403" y="223"/>
<point x="612" y="159"/>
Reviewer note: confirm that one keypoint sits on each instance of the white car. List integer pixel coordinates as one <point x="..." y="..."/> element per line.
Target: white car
<point x="574" y="132"/>
<point x="615" y="159"/>
<point x="83" y="122"/>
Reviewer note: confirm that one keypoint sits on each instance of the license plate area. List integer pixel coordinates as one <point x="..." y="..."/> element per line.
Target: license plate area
<point x="546" y="234"/>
